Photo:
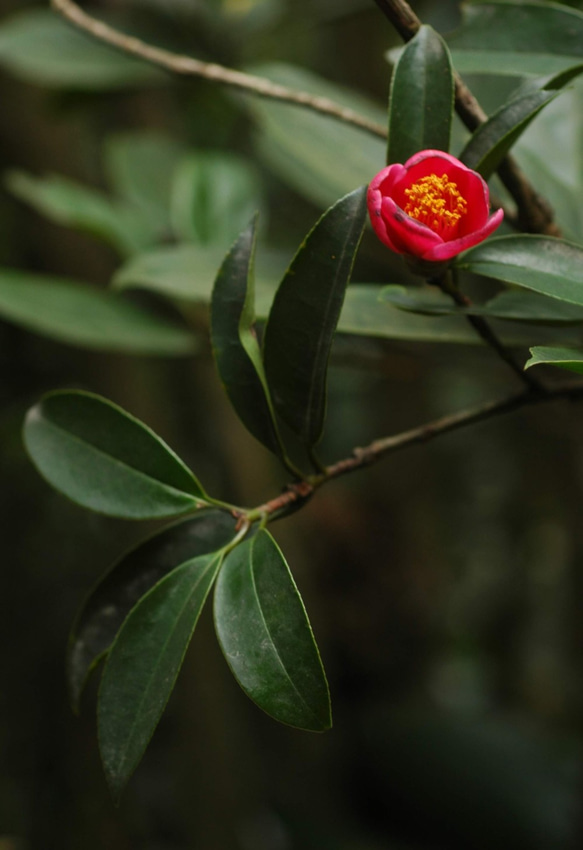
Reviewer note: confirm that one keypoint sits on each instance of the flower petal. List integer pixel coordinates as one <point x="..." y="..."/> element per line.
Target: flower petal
<point x="447" y="250"/>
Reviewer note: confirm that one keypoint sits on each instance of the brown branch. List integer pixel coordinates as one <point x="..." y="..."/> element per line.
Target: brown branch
<point x="186" y="65"/>
<point x="535" y="215"/>
<point x="297" y="494"/>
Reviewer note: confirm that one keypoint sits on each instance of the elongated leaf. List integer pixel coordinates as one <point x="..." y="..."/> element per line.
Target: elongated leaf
<point x="565" y="358"/>
<point x="38" y="46"/>
<point x="266" y="637"/>
<point x="550" y="266"/>
<point x="68" y="203"/>
<point x="421" y="100"/>
<point x="319" y="157"/>
<point x="111" y="600"/>
<point x="106" y="460"/>
<point x="84" y="316"/>
<point x="491" y="142"/>
<point x="235" y="344"/>
<point x="514" y="306"/>
<point x="517" y="38"/>
<point x="304" y="315"/>
<point x="143" y="665"/>
<point x="174" y="272"/>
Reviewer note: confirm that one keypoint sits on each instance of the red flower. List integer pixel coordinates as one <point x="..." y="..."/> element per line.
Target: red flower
<point x="433" y="207"/>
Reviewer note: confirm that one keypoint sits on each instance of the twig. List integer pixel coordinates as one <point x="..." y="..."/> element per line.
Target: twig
<point x="186" y="65"/>
<point x="297" y="494"/>
<point x="535" y="215"/>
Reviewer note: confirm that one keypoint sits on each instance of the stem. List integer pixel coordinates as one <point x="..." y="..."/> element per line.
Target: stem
<point x="296" y="495"/>
<point x="186" y="65"/>
<point x="535" y="214"/>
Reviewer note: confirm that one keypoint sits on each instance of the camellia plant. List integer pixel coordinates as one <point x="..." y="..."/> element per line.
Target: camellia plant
<point x="432" y="208"/>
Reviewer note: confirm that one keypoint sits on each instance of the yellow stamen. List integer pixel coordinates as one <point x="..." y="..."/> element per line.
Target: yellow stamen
<point x="436" y="202"/>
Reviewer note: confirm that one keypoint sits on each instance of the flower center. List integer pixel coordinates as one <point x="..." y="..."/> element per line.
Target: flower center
<point x="436" y="202"/>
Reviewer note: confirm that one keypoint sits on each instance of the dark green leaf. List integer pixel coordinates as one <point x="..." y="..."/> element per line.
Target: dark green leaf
<point x="565" y="358"/>
<point x="106" y="460"/>
<point x="304" y="315"/>
<point x="214" y="195"/>
<point x="234" y="339"/>
<point x="491" y="142"/>
<point x="111" y="600"/>
<point x="266" y="637"/>
<point x="72" y="205"/>
<point x="550" y="266"/>
<point x="427" y="300"/>
<point x="318" y="156"/>
<point x="87" y="317"/>
<point x="143" y="664"/>
<point x="39" y="47"/>
<point x="421" y="100"/>
<point x="517" y="38"/>
<point x="515" y="306"/>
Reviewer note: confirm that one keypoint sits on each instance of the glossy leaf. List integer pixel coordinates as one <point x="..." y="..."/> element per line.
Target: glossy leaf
<point x="113" y="597"/>
<point x="234" y="340"/>
<point x="87" y="317"/>
<point x="70" y="204"/>
<point x="214" y="195"/>
<point x="421" y="99"/>
<point x="517" y="38"/>
<point x="320" y="157"/>
<point x="266" y="637"/>
<point x="106" y="460"/>
<point x="39" y="47"/>
<point x="550" y="266"/>
<point x="492" y="140"/>
<point x="512" y="305"/>
<point x="143" y="665"/>
<point x="565" y="358"/>
<point x="304" y="315"/>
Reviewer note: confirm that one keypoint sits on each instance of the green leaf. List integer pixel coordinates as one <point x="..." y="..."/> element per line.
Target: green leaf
<point x="319" y="157"/>
<point x="72" y="205"/>
<point x="517" y="38"/>
<point x="113" y="597"/>
<point x="87" y="317"/>
<point x="178" y="271"/>
<point x="511" y="305"/>
<point x="426" y="300"/>
<point x="130" y="156"/>
<point x="492" y="140"/>
<point x="266" y="637"/>
<point x="234" y="340"/>
<point x="565" y="358"/>
<point x="421" y="99"/>
<point x="304" y="315"/>
<point x="214" y="195"/>
<point x="41" y="48"/>
<point x="106" y="460"/>
<point x="550" y="266"/>
<point x="143" y="665"/>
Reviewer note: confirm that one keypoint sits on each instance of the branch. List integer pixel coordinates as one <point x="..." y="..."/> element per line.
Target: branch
<point x="297" y="494"/>
<point x="186" y="65"/>
<point x="534" y="212"/>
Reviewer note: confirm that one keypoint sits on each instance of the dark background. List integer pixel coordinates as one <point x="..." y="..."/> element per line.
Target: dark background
<point x="444" y="585"/>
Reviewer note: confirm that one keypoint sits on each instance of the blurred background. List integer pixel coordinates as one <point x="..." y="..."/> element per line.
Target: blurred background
<point x="444" y="585"/>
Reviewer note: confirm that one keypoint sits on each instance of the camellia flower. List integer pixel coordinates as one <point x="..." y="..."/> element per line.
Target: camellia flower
<point x="431" y="208"/>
